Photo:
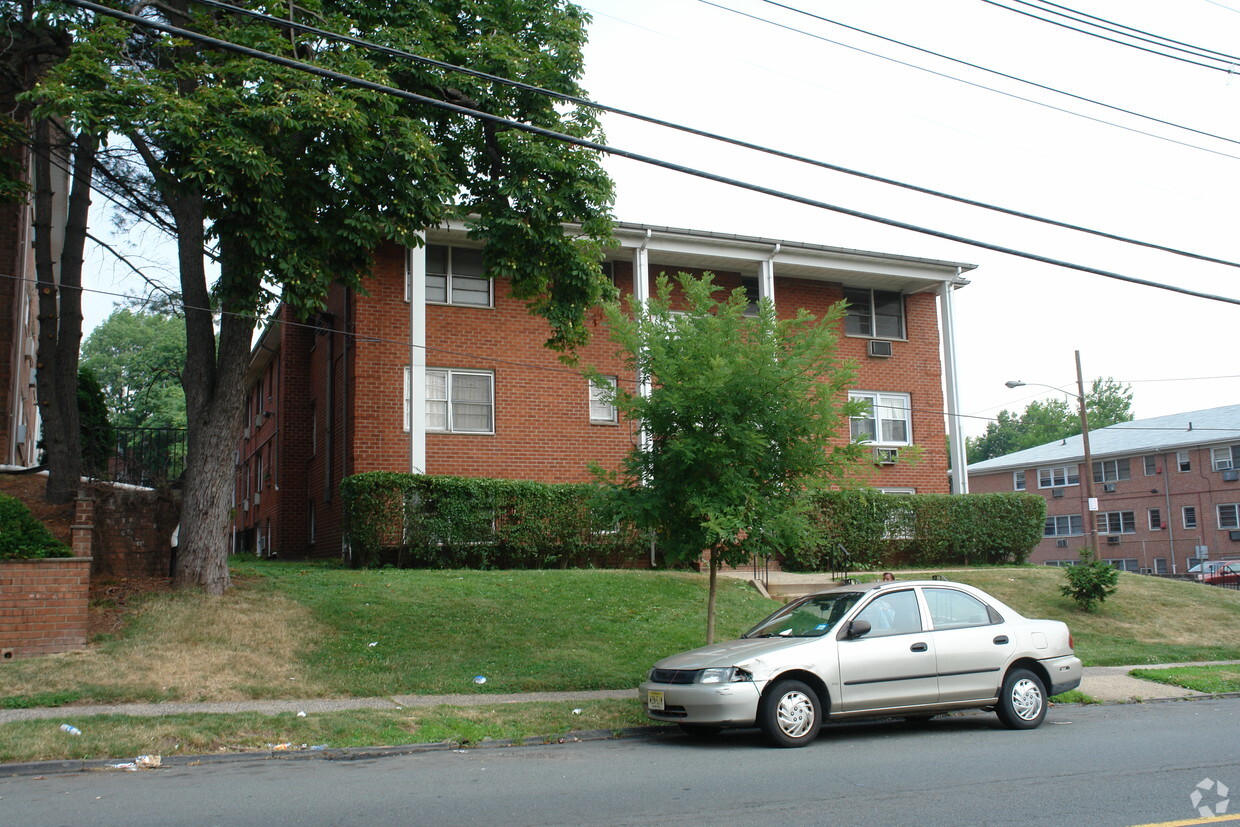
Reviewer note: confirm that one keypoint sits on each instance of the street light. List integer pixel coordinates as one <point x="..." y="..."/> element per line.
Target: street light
<point x="1090" y="500"/>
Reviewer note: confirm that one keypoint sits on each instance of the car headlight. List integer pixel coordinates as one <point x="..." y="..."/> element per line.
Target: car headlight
<point x="723" y="674"/>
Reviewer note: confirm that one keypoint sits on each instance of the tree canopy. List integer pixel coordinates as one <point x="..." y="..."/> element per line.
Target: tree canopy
<point x="137" y="358"/>
<point x="1107" y="402"/>
<point x="742" y="421"/>
<point x="290" y="182"/>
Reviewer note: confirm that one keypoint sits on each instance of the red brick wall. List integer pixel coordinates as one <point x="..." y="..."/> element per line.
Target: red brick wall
<point x="132" y="533"/>
<point x="43" y="606"/>
<point x="1201" y="488"/>
<point x="542" y="426"/>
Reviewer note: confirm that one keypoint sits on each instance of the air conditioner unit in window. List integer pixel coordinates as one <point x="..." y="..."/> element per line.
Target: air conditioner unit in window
<point x="1231" y="475"/>
<point x="1056" y="492"/>
<point x="880" y="349"/>
<point x="245" y="505"/>
<point x="886" y="456"/>
<point x="1112" y="540"/>
<point x="258" y="498"/>
<point x="1061" y="543"/>
<point x="1233" y="535"/>
<point x="1109" y="488"/>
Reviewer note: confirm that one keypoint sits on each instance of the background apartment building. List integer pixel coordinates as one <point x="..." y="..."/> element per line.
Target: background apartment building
<point x="438" y="370"/>
<point x="1168" y="491"/>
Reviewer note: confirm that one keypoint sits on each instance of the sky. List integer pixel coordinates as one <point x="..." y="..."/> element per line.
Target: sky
<point x="696" y="64"/>
<point x="693" y="63"/>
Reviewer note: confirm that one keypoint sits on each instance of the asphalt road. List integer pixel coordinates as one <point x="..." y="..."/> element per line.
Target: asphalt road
<point x="1088" y="765"/>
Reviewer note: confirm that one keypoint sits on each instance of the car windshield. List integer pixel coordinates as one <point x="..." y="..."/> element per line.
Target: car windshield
<point x="811" y="616"/>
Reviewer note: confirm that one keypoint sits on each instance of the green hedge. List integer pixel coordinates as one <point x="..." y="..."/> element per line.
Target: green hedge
<point x="22" y="536"/>
<point x="422" y="521"/>
<point x="879" y="530"/>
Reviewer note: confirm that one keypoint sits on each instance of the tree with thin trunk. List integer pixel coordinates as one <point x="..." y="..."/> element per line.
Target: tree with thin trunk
<point x="290" y="182"/>
<point x="745" y="417"/>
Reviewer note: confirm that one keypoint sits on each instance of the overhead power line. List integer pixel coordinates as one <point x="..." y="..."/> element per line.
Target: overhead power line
<point x="306" y="29"/>
<point x="622" y="153"/>
<point x="1117" y="41"/>
<point x="995" y="72"/>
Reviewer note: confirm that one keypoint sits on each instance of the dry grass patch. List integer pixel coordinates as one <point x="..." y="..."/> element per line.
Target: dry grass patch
<point x="246" y="644"/>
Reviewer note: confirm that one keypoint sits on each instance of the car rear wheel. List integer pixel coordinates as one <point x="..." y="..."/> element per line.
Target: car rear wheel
<point x="1022" y="701"/>
<point x="790" y="714"/>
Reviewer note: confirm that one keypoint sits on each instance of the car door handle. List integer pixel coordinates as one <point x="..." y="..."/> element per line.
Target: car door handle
<point x="918" y="647"/>
<point x="1001" y="640"/>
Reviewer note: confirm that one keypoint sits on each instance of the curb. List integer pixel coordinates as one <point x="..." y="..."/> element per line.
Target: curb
<point x="62" y="767"/>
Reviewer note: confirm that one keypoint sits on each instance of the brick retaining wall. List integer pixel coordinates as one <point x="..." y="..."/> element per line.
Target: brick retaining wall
<point x="43" y="606"/>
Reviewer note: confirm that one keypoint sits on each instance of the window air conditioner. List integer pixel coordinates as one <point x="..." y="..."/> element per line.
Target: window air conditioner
<point x="1233" y="535"/>
<point x="1056" y="492"/>
<point x="245" y="505"/>
<point x="880" y="348"/>
<point x="258" y="498"/>
<point x="886" y="456"/>
<point x="1112" y="540"/>
<point x="1109" y="488"/>
<point x="1231" y="475"/>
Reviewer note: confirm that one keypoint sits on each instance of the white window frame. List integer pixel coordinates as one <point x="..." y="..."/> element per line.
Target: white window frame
<point x="1224" y="458"/>
<point x="1072" y="525"/>
<point x="1127" y="521"/>
<point x="1154" y="516"/>
<point x="1112" y="470"/>
<point x="1232" y="520"/>
<point x="1069" y="475"/>
<point x="1150" y="463"/>
<point x="450" y="277"/>
<point x="603" y="412"/>
<point x="1183" y="461"/>
<point x="1188" y="516"/>
<point x="883" y="401"/>
<point x="449" y="373"/>
<point x="1018" y="481"/>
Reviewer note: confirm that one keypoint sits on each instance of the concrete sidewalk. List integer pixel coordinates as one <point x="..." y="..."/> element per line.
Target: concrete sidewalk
<point x="1108" y="684"/>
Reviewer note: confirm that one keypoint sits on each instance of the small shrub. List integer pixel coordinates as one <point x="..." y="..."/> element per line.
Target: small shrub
<point x="24" y="537"/>
<point x="1090" y="581"/>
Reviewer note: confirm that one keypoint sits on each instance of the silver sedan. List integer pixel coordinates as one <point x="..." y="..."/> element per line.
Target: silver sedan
<point x="911" y="649"/>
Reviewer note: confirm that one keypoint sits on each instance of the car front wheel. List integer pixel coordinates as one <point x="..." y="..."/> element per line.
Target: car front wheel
<point x="790" y="714"/>
<point x="1022" y="701"/>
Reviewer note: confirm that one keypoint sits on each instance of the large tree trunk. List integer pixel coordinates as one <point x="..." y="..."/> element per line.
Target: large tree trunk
<point x="60" y="306"/>
<point x="214" y="392"/>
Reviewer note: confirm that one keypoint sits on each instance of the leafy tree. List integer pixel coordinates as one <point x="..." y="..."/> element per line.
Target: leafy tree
<point x="290" y="182"/>
<point x="1090" y="581"/>
<point x="1107" y="402"/>
<point x="137" y="357"/>
<point x="37" y="39"/>
<point x="98" y="435"/>
<point x="742" y="424"/>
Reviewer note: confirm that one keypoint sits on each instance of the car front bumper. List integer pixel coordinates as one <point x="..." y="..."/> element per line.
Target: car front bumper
<point x="724" y="704"/>
<point x="1065" y="673"/>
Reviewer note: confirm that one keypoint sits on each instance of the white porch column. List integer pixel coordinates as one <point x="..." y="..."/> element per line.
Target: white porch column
<point x="641" y="294"/>
<point x="766" y="276"/>
<point x="415" y="287"/>
<point x="955" y="434"/>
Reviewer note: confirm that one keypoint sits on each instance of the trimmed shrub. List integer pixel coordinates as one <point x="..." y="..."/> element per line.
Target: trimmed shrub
<point x="865" y="529"/>
<point x="22" y="536"/>
<point x="424" y="521"/>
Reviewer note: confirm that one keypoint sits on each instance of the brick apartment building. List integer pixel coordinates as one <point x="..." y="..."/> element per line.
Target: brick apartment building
<point x="1168" y="491"/>
<point x="19" y="416"/>
<point x="438" y="370"/>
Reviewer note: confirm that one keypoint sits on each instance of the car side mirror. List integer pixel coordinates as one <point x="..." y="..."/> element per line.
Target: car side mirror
<point x="857" y="628"/>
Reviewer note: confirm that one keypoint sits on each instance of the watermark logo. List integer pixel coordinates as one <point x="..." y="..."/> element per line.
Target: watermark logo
<point x="1209" y="798"/>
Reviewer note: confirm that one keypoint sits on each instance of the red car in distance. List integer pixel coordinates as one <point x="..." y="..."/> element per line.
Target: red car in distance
<point x="1225" y="575"/>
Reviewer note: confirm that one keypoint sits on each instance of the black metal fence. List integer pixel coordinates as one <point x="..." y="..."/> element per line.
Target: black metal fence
<point x="150" y="457"/>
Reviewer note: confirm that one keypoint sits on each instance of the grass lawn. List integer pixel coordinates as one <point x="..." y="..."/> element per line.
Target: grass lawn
<point x="1198" y="678"/>
<point x="297" y="630"/>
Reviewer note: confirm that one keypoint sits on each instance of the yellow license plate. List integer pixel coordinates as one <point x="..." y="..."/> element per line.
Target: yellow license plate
<point x="654" y="700"/>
